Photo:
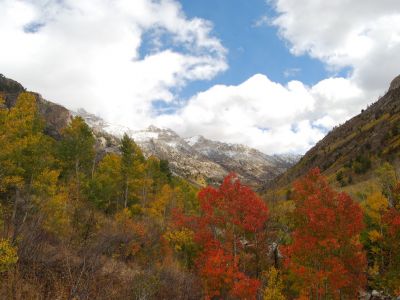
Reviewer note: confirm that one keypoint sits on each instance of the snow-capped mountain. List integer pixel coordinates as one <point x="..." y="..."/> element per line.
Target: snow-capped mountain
<point x="197" y="158"/>
<point x="251" y="164"/>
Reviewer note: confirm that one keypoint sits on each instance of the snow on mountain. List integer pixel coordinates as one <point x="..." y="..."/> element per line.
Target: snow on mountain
<point x="253" y="165"/>
<point x="197" y="158"/>
<point x="193" y="140"/>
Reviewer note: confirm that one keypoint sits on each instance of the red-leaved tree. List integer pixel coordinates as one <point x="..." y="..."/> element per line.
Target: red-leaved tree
<point x="325" y="255"/>
<point x="229" y="229"/>
<point x="391" y="275"/>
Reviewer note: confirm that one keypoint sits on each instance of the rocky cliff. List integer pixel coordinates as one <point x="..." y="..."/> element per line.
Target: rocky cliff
<point x="55" y="116"/>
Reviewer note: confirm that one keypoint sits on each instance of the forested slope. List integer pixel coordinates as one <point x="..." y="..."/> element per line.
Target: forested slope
<point x="354" y="150"/>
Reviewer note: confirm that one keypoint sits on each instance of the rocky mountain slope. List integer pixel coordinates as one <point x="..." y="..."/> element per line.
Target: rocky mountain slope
<point x="250" y="163"/>
<point x="197" y="158"/>
<point x="351" y="152"/>
<point x="56" y="116"/>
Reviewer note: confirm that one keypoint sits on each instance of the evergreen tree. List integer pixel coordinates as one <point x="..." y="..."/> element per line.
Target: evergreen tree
<point x="131" y="159"/>
<point x="77" y="151"/>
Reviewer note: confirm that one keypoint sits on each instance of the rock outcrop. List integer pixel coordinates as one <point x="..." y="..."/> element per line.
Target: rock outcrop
<point x="395" y="84"/>
<point x="55" y="116"/>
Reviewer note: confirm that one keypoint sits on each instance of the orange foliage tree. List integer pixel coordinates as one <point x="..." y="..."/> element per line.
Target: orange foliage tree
<point x="230" y="225"/>
<point x="325" y="256"/>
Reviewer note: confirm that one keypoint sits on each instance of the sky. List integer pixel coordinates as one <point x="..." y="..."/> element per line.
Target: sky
<point x="275" y="75"/>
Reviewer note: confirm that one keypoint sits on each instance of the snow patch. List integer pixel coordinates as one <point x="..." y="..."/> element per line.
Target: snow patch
<point x="193" y="140"/>
<point x="143" y="136"/>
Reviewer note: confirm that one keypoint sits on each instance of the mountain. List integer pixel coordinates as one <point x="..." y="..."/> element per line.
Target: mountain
<point x="351" y="152"/>
<point x="250" y="163"/>
<point x="197" y="158"/>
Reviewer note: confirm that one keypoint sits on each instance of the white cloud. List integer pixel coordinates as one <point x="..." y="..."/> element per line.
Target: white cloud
<point x="361" y="35"/>
<point x="267" y="115"/>
<point x="87" y="53"/>
<point x="262" y="21"/>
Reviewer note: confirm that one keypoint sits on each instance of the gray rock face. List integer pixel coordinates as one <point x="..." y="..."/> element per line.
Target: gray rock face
<point x="254" y="166"/>
<point x="395" y="84"/>
<point x="10" y="86"/>
<point x="55" y="116"/>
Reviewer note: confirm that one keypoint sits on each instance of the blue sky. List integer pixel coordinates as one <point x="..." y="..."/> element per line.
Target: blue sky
<point x="216" y="68"/>
<point x="252" y="49"/>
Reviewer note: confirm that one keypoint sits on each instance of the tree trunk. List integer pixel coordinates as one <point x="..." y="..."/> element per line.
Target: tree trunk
<point x="78" y="184"/>
<point x="14" y="215"/>
<point x="126" y="194"/>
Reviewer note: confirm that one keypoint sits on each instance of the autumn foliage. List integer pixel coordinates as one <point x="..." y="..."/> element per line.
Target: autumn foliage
<point x="391" y="245"/>
<point x="325" y="255"/>
<point x="84" y="219"/>
<point x="230" y="224"/>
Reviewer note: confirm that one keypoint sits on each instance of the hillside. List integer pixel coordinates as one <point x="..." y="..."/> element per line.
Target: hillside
<point x="350" y="152"/>
<point x="56" y="116"/>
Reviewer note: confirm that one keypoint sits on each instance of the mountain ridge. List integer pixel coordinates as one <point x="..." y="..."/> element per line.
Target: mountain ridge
<point x="197" y="158"/>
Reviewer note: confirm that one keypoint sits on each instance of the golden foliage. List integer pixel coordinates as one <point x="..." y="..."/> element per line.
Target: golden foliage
<point x="8" y="255"/>
<point x="274" y="289"/>
<point x="375" y="206"/>
<point x="180" y="238"/>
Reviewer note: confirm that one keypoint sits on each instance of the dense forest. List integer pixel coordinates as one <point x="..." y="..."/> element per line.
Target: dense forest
<point x="78" y="223"/>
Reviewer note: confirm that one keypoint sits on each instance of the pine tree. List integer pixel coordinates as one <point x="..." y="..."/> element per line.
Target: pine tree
<point x="77" y="151"/>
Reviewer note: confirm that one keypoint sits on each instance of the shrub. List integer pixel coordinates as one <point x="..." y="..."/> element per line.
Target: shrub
<point x="8" y="255"/>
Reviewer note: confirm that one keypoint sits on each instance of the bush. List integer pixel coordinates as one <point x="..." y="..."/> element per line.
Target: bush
<point x="340" y="178"/>
<point x="8" y="255"/>
<point x="362" y="164"/>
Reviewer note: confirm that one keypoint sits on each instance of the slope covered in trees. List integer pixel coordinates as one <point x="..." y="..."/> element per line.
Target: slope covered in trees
<point x="74" y="223"/>
<point x="352" y="151"/>
<point x="81" y="223"/>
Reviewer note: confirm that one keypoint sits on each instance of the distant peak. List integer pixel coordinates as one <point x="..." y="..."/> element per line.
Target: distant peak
<point x="161" y="131"/>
